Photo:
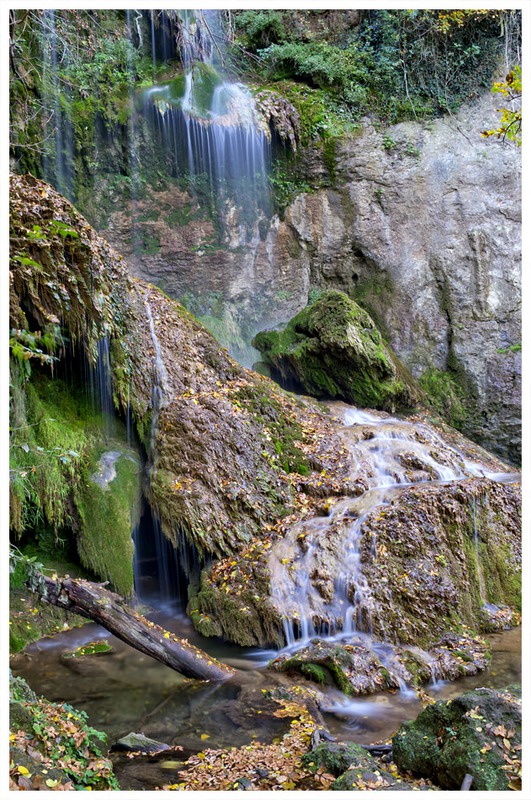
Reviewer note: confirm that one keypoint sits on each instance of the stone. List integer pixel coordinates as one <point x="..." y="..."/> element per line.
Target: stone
<point x="352" y="765"/>
<point x="137" y="742"/>
<point x="478" y="733"/>
<point x="332" y="349"/>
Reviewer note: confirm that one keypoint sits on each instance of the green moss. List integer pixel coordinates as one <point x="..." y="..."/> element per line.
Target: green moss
<point x="332" y="349"/>
<point x="109" y="516"/>
<point x="335" y="758"/>
<point x="284" y="433"/>
<point x="445" y="395"/>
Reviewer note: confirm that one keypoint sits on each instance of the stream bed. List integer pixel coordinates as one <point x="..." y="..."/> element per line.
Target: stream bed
<point x="123" y="691"/>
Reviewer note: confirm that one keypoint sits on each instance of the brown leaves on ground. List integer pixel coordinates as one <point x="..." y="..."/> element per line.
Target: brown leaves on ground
<point x="258" y="766"/>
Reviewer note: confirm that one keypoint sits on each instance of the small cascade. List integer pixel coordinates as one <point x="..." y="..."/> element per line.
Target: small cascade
<point x="207" y="129"/>
<point x="159" y="378"/>
<point x="392" y="454"/>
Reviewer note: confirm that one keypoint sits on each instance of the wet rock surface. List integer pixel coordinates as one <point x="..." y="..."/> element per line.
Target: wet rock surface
<point x="478" y="733"/>
<point x="364" y="665"/>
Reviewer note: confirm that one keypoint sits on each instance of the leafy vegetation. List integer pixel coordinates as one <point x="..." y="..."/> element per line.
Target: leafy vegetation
<point x="393" y="64"/>
<point x="510" y="126"/>
<point x="54" y="747"/>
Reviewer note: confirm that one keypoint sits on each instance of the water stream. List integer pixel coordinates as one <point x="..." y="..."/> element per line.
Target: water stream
<point x="391" y="454"/>
<point x="125" y="691"/>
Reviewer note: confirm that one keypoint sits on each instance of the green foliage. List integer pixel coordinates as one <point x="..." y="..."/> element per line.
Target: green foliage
<point x="66" y="740"/>
<point x="259" y="29"/>
<point x="27" y="345"/>
<point x="510" y="126"/>
<point x="396" y="64"/>
<point x="56" y="441"/>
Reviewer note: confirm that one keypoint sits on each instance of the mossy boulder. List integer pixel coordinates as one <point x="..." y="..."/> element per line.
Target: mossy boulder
<point x="478" y="733"/>
<point x="332" y="349"/>
<point x="355" y="769"/>
<point x="364" y="666"/>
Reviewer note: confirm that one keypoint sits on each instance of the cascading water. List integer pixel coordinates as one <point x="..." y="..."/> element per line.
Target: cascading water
<point x="58" y="143"/>
<point x="159" y="378"/>
<point x="393" y="454"/>
<point x="207" y="128"/>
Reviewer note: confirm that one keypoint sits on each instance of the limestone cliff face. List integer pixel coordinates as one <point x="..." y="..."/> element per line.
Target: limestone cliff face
<point x="420" y="223"/>
<point x="424" y="228"/>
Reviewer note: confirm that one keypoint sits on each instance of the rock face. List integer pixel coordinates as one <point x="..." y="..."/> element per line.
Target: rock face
<point x="420" y="223"/>
<point x="333" y="349"/>
<point x="478" y="733"/>
<point x="423" y="227"/>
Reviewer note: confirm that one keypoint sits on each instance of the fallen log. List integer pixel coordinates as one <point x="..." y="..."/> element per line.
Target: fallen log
<point x="93" y="601"/>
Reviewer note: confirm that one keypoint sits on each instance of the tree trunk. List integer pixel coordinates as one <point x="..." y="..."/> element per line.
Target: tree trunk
<point x="108" y="609"/>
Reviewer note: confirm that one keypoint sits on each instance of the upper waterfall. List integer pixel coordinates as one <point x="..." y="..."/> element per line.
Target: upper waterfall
<point x="206" y="127"/>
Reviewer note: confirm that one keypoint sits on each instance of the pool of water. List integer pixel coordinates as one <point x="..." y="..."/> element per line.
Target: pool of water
<point x="124" y="691"/>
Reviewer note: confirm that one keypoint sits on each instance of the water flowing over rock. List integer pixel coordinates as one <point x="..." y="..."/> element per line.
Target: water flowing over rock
<point x="394" y="558"/>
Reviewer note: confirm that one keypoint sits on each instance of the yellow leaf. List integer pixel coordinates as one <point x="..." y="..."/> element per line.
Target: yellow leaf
<point x="51" y="783"/>
<point x="23" y="770"/>
<point x="166" y="635"/>
<point x="205" y="736"/>
<point x="507" y="744"/>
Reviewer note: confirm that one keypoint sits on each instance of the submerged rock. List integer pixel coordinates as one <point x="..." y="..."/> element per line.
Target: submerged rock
<point x="478" y="733"/>
<point x="333" y="349"/>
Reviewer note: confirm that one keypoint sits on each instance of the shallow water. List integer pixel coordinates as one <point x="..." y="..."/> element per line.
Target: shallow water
<point x="124" y="691"/>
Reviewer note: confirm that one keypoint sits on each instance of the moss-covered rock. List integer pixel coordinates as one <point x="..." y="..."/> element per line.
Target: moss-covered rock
<point x="354" y="768"/>
<point x="364" y="666"/>
<point x="332" y="349"/>
<point x="478" y="733"/>
<point x="226" y="447"/>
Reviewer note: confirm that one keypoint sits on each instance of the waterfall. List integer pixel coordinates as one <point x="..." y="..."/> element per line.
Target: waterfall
<point x="58" y="135"/>
<point x="206" y="128"/>
<point x="159" y="379"/>
<point x="394" y="454"/>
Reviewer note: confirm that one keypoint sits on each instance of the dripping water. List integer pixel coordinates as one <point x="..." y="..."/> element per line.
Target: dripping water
<point x="100" y="387"/>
